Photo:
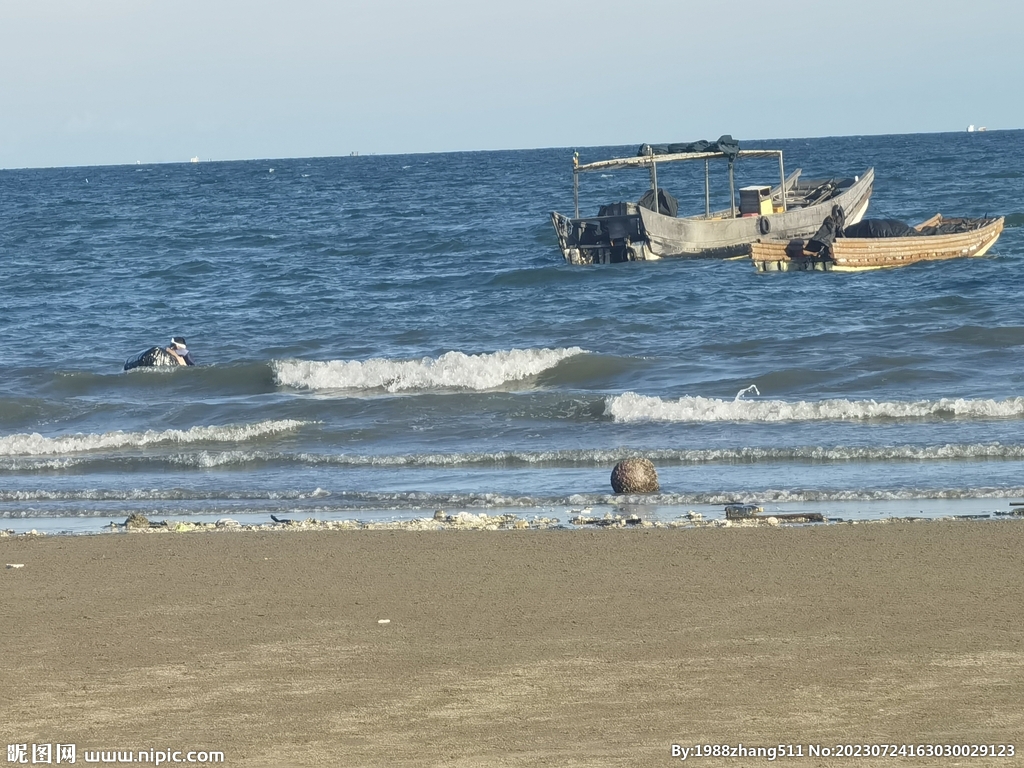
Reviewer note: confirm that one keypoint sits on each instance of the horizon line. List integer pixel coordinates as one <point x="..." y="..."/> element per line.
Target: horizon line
<point x="195" y="160"/>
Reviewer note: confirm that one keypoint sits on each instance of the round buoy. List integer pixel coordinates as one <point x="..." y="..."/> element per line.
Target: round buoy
<point x="635" y="475"/>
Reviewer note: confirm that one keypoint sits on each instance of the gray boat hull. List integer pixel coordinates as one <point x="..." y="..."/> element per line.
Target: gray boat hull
<point x="641" y="234"/>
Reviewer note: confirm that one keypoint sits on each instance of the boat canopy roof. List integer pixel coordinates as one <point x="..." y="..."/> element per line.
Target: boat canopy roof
<point x="646" y="161"/>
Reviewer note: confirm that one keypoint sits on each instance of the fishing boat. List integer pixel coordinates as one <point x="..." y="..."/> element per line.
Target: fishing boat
<point x="651" y="229"/>
<point x="932" y="240"/>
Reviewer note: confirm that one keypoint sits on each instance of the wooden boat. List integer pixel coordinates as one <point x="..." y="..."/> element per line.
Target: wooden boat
<point x="638" y="232"/>
<point x="939" y="238"/>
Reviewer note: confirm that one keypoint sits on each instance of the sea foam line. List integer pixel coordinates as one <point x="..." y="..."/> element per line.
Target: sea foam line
<point x="157" y="494"/>
<point x="744" y="455"/>
<point x="452" y="370"/>
<point x="631" y="407"/>
<point x="207" y="459"/>
<point x="37" y="445"/>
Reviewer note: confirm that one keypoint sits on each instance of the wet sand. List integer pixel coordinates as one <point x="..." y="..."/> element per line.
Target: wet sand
<point x="517" y="648"/>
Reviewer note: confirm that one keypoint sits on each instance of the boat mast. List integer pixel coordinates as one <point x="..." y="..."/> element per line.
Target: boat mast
<point x="576" y="182"/>
<point x="707" y="191"/>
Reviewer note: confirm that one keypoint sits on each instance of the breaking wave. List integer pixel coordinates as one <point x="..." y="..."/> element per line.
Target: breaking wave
<point x="452" y="370"/>
<point x="37" y="445"/>
<point x="602" y="458"/>
<point x="158" y="494"/>
<point x="576" y="458"/>
<point x="631" y="408"/>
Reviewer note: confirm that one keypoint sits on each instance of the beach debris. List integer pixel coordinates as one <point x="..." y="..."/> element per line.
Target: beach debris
<point x="15" y="565"/>
<point x="752" y="512"/>
<point x="460" y="521"/>
<point x="469" y="521"/>
<point x="800" y="517"/>
<point x="635" y="475"/>
<point x="608" y="521"/>
<point x="742" y="511"/>
<point x="135" y="521"/>
<point x="383" y="621"/>
<point x="504" y="522"/>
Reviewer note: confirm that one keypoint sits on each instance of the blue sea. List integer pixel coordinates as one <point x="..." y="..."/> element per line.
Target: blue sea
<point x="379" y="337"/>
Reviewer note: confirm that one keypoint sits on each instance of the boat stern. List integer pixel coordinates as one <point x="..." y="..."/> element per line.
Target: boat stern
<point x="614" y="237"/>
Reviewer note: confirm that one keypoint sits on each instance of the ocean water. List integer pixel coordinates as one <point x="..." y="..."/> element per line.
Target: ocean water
<point x="383" y="336"/>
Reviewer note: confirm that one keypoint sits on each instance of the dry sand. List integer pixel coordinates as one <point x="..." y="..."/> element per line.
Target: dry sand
<point x="517" y="648"/>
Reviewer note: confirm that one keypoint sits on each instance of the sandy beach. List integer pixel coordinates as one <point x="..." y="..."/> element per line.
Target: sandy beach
<point x="518" y="648"/>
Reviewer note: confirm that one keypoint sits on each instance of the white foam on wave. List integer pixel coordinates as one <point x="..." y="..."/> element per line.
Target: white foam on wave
<point x="607" y="457"/>
<point x="788" y="496"/>
<point x="631" y="407"/>
<point x="37" y="445"/>
<point x="587" y="457"/>
<point x="22" y="464"/>
<point x="157" y="494"/>
<point x="452" y="370"/>
<point x="212" y="459"/>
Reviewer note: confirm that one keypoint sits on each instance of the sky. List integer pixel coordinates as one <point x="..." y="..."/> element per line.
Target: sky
<point x="99" y="82"/>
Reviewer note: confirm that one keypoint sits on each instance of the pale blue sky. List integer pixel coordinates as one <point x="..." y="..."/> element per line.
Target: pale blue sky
<point x="85" y="82"/>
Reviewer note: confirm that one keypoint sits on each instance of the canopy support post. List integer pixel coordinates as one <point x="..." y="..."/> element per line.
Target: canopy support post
<point x="576" y="182"/>
<point x="707" y="191"/>
<point x="732" y="190"/>
<point x="654" y="181"/>
<point x="782" y="175"/>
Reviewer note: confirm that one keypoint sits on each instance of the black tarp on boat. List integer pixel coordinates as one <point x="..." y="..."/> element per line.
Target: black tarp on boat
<point x="667" y="204"/>
<point x="725" y="144"/>
<point x="880" y="228"/>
